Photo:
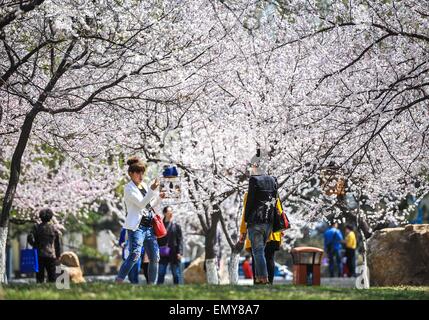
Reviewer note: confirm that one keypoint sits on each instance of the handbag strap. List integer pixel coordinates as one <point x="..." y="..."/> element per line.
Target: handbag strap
<point x="276" y="186"/>
<point x="148" y="206"/>
<point x="277" y="196"/>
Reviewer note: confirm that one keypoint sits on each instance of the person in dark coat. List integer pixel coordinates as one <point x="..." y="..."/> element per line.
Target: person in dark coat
<point x="259" y="213"/>
<point x="170" y="248"/>
<point x="45" y="237"/>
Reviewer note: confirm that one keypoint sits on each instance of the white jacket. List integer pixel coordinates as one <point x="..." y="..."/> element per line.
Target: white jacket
<point x="135" y="204"/>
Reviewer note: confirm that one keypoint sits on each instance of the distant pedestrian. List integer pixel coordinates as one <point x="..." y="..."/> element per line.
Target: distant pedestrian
<point x="350" y="244"/>
<point x="45" y="237"/>
<point x="333" y="238"/>
<point x="170" y="248"/>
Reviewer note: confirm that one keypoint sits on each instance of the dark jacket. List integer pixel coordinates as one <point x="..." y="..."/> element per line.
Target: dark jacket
<point x="173" y="239"/>
<point x="45" y="237"/>
<point x="260" y="199"/>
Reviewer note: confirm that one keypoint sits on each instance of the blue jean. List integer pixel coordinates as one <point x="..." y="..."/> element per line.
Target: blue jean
<point x="143" y="236"/>
<point x="258" y="236"/>
<point x="335" y="258"/>
<point x="175" y="270"/>
<point x="133" y="275"/>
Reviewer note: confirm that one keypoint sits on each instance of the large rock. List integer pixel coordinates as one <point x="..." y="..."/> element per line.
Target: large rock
<point x="194" y="273"/>
<point x="71" y="265"/>
<point x="399" y="256"/>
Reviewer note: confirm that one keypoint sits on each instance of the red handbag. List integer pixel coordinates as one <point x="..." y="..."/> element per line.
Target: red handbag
<point x="158" y="226"/>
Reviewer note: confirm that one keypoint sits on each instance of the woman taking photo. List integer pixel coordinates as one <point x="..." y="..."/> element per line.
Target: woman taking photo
<point x="138" y="222"/>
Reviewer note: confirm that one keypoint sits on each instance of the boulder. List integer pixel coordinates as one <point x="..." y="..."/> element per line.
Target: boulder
<point x="70" y="259"/>
<point x="70" y="263"/>
<point x="194" y="273"/>
<point x="399" y="256"/>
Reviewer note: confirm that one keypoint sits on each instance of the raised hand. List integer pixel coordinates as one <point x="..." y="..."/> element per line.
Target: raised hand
<point x="155" y="184"/>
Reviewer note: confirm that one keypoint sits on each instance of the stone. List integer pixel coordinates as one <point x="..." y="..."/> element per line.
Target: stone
<point x="194" y="273"/>
<point x="70" y="263"/>
<point x="70" y="259"/>
<point x="399" y="256"/>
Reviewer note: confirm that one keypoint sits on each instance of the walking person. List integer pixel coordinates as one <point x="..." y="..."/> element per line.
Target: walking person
<point x="171" y="248"/>
<point x="138" y="222"/>
<point x="45" y="237"/>
<point x="332" y="243"/>
<point x="350" y="244"/>
<point x="258" y="215"/>
<point x="272" y="245"/>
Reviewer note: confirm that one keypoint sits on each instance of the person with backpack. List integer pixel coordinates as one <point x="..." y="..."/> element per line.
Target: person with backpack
<point x="170" y="248"/>
<point x="272" y="245"/>
<point x="45" y="237"/>
<point x="258" y="215"/>
<point x="332" y="243"/>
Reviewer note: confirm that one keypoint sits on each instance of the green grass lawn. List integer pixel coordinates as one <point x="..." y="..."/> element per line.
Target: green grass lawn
<point x="188" y="292"/>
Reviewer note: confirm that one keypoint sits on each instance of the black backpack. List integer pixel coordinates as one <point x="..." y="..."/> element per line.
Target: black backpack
<point x="265" y="213"/>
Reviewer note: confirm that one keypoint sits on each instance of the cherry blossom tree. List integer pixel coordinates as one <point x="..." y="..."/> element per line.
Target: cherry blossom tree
<point x="96" y="61"/>
<point x="321" y="85"/>
<point x="358" y="100"/>
<point x="310" y="82"/>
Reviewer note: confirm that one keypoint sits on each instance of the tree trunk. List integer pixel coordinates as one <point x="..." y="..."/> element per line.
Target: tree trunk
<point x="15" y="171"/>
<point x="212" y="271"/>
<point x="235" y="251"/>
<point x="3" y="238"/>
<point x="233" y="267"/>
<point x="362" y="280"/>
<point x="210" y="252"/>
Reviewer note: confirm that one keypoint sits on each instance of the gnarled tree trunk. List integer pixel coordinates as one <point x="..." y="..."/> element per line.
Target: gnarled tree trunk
<point x="15" y="171"/>
<point x="210" y="254"/>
